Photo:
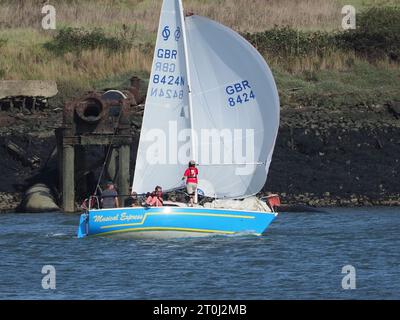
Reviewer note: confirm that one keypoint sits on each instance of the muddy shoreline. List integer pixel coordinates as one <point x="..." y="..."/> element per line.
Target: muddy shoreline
<point x="324" y="157"/>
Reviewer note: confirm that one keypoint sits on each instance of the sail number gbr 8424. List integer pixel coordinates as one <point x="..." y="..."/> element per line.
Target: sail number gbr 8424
<point x="239" y="93"/>
<point x="169" y="84"/>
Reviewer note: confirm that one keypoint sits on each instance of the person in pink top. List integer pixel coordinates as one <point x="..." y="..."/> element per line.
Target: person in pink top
<point x="191" y="177"/>
<point x="156" y="198"/>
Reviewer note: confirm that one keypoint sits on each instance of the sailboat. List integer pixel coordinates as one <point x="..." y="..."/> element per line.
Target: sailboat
<point x="211" y="98"/>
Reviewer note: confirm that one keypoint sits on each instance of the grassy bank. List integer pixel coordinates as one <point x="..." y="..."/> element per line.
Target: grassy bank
<point x="102" y="43"/>
<point x="242" y="15"/>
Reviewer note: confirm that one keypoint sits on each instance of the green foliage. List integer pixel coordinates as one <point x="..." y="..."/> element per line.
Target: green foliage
<point x="77" y="39"/>
<point x="365" y="85"/>
<point x="310" y="76"/>
<point x="3" y="42"/>
<point x="377" y="34"/>
<point x="288" y="42"/>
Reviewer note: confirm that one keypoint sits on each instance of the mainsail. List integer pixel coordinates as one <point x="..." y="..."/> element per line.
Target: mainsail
<point x="166" y="118"/>
<point x="235" y="110"/>
<point x="228" y="121"/>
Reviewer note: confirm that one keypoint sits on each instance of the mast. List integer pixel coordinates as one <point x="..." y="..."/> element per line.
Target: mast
<point x="189" y="81"/>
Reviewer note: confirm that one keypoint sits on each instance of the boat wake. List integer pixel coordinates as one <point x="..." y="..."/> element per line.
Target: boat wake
<point x="60" y="235"/>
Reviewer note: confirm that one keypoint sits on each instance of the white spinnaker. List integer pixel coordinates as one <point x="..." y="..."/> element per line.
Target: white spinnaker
<point x="166" y="109"/>
<point x="234" y="96"/>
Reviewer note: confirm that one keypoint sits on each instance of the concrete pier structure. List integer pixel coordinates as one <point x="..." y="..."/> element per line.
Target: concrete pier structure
<point x="68" y="178"/>
<point x="101" y="120"/>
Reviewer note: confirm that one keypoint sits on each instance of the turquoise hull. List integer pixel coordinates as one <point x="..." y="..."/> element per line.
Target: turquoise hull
<point x="172" y="222"/>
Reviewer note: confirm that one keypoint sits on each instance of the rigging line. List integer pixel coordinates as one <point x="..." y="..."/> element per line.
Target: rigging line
<point x="108" y="153"/>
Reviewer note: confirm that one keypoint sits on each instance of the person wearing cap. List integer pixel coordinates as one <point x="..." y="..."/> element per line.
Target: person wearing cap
<point x="109" y="197"/>
<point x="191" y="177"/>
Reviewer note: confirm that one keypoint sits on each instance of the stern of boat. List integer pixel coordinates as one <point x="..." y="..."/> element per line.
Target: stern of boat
<point x="83" y="229"/>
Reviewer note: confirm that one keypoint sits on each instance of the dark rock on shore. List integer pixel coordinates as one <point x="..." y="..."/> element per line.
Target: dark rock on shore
<point x="32" y="139"/>
<point x="9" y="201"/>
<point x="324" y="157"/>
<point x="347" y="156"/>
<point x="394" y="108"/>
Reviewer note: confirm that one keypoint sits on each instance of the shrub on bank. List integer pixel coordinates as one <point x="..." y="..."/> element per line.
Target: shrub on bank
<point x="3" y="42"/>
<point x="377" y="36"/>
<point x="77" y="39"/>
<point x="287" y="42"/>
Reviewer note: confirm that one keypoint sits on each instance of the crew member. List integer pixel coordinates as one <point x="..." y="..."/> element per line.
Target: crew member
<point x="109" y="197"/>
<point x="133" y="200"/>
<point x="191" y="177"/>
<point x="156" y="198"/>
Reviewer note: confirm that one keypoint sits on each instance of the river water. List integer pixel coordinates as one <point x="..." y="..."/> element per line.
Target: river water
<point x="300" y="257"/>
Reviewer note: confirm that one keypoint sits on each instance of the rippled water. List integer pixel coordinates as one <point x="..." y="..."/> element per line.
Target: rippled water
<point x="301" y="257"/>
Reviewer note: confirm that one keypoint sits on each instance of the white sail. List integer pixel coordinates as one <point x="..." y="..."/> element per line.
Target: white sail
<point x="235" y="110"/>
<point x="165" y="133"/>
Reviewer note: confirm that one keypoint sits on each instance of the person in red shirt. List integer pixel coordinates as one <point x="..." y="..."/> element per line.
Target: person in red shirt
<point x="191" y="177"/>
